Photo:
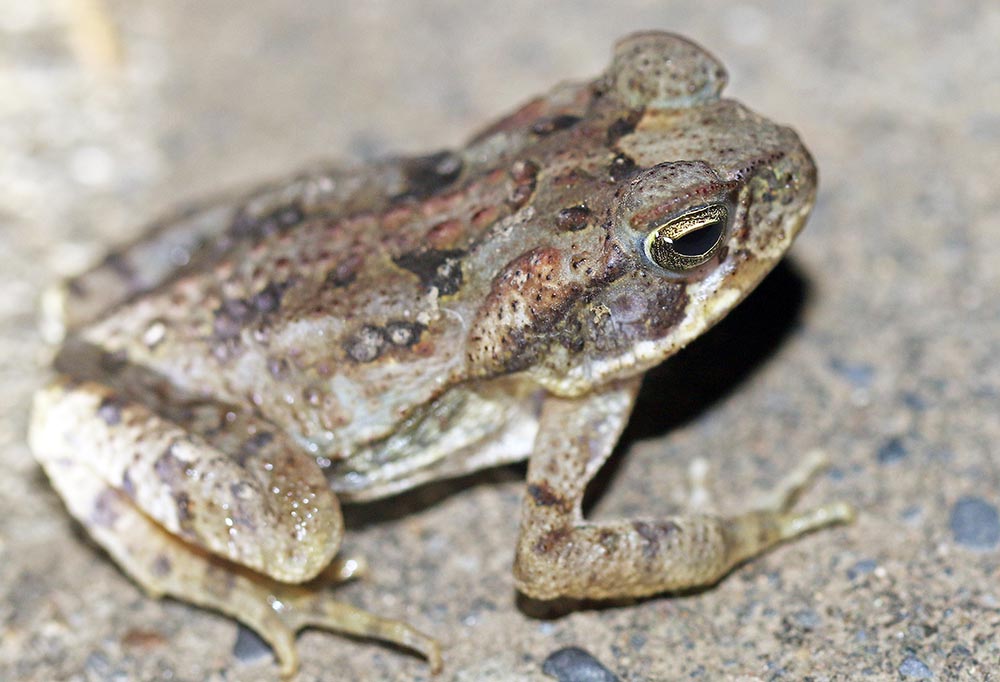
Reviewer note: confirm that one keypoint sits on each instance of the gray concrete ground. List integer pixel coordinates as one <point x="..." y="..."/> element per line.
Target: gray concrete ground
<point x="879" y="341"/>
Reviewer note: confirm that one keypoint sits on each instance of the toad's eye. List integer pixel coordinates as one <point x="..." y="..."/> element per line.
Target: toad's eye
<point x="689" y="240"/>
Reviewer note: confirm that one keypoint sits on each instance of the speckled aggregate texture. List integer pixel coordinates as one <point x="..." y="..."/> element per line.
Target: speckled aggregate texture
<point x="877" y="341"/>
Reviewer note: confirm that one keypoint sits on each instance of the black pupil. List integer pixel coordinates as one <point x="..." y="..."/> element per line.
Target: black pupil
<point x="700" y="241"/>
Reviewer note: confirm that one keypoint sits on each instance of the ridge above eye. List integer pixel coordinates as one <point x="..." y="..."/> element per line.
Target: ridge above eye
<point x="689" y="240"/>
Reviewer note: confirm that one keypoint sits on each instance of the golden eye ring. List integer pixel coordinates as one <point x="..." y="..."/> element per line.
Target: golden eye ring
<point x="689" y="240"/>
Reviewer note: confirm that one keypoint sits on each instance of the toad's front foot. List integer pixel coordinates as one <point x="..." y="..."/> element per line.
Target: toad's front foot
<point x="561" y="554"/>
<point x="773" y="522"/>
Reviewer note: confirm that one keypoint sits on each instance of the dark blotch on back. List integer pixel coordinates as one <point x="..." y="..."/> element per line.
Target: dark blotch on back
<point x="524" y="174"/>
<point x="441" y="268"/>
<point x="622" y="127"/>
<point x="281" y="219"/>
<point x="230" y="317"/>
<point x="573" y="218"/>
<point x="258" y="441"/>
<point x="344" y="272"/>
<point x="426" y="175"/>
<point x="622" y="167"/>
<point x="233" y="314"/>
<point x="550" y="124"/>
<point x="366" y="345"/>
<point x="268" y="299"/>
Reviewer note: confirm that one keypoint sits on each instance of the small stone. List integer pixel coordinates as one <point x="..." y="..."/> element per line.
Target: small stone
<point x="975" y="523"/>
<point x="859" y="374"/>
<point x="807" y="619"/>
<point x="573" y="664"/>
<point x="860" y="568"/>
<point x="914" y="668"/>
<point x="892" y="450"/>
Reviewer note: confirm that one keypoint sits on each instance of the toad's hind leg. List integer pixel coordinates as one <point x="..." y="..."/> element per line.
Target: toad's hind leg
<point x="93" y="446"/>
<point x="561" y="554"/>
<point x="164" y="565"/>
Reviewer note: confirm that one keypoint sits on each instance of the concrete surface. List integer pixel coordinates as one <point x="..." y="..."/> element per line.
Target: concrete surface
<point x="879" y="341"/>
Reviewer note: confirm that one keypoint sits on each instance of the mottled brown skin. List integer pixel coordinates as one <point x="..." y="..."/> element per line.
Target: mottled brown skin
<point x="354" y="332"/>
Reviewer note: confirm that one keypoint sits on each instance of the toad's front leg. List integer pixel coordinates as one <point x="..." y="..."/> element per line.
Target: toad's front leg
<point x="561" y="554"/>
<point x="232" y="518"/>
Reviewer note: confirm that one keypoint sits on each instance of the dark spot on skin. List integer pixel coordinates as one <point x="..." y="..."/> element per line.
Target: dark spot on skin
<point x="524" y="170"/>
<point x="281" y="219"/>
<point x="548" y="125"/>
<point x="366" y="345"/>
<point x="288" y="216"/>
<point x="544" y="496"/>
<point x="128" y="486"/>
<point x="122" y="268"/>
<point x="183" y="503"/>
<point x="524" y="175"/>
<point x="343" y="273"/>
<point x="268" y="299"/>
<point x="161" y="566"/>
<point x="435" y="268"/>
<point x="622" y="127"/>
<point x="105" y="510"/>
<point x="278" y="367"/>
<point x="110" y="411"/>
<point x="622" y="167"/>
<point x="230" y="317"/>
<point x="76" y="287"/>
<point x="570" y="336"/>
<point x="113" y="362"/>
<point x="426" y="175"/>
<point x="609" y="540"/>
<point x="404" y="334"/>
<point x="241" y="490"/>
<point x="234" y="314"/>
<point x="573" y="218"/>
<point x="550" y="540"/>
<point x="169" y="468"/>
<point x="654" y="534"/>
<point x="258" y="441"/>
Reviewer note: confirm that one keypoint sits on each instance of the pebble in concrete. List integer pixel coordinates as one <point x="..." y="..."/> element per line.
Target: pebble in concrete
<point x="975" y="523"/>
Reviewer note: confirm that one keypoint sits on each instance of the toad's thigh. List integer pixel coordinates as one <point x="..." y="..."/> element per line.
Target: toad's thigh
<point x="248" y="495"/>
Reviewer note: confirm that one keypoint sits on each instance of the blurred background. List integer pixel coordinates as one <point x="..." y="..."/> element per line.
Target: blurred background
<point x="878" y="341"/>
